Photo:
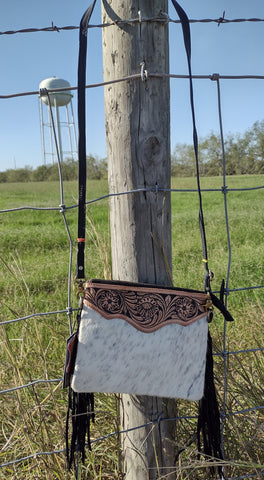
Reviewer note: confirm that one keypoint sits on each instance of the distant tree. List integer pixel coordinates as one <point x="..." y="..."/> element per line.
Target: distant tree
<point x="244" y="154"/>
<point x="103" y="165"/>
<point x="19" y="175"/>
<point x="70" y="169"/>
<point x="255" y="137"/>
<point x="3" y="177"/>
<point x="237" y="160"/>
<point x="211" y="153"/>
<point x="93" y="168"/>
<point x="41" y="174"/>
<point x="183" y="161"/>
<point x="96" y="169"/>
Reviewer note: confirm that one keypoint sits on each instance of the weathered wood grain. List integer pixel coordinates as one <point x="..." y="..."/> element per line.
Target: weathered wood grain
<point x="137" y="122"/>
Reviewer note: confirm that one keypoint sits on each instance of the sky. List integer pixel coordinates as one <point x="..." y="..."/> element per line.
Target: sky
<point x="28" y="58"/>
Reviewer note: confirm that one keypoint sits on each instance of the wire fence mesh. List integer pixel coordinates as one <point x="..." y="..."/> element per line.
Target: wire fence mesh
<point x="250" y="417"/>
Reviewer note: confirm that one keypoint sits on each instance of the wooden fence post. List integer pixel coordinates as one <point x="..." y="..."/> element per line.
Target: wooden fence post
<point x="137" y="121"/>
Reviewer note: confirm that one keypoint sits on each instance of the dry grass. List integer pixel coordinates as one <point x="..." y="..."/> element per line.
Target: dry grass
<point x="33" y="278"/>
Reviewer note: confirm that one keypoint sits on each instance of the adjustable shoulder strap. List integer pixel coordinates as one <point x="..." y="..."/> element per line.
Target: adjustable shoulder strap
<point x="209" y="416"/>
<point x="82" y="138"/>
<point x="187" y="43"/>
<point x="81" y="405"/>
<point x="80" y="274"/>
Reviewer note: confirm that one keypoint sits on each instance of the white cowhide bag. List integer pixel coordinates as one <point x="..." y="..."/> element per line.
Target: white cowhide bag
<point x="141" y="339"/>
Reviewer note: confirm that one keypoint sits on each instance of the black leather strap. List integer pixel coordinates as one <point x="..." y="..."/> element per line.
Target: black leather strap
<point x="80" y="274"/>
<point x="187" y="43"/>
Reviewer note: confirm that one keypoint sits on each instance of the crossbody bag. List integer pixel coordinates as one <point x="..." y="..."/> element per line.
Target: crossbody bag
<point x="139" y="338"/>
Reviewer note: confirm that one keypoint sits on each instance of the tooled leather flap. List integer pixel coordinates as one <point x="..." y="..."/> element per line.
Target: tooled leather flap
<point x="147" y="308"/>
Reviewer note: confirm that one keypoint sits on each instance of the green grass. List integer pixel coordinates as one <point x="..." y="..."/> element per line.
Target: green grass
<point x="34" y="262"/>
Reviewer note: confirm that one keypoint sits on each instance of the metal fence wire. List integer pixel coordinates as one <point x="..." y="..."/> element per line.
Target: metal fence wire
<point x="249" y="417"/>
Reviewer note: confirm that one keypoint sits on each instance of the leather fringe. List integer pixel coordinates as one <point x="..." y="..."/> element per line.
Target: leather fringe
<point x="209" y="416"/>
<point x="81" y="410"/>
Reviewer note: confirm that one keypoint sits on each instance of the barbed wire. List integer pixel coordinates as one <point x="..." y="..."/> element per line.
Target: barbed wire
<point x="163" y="17"/>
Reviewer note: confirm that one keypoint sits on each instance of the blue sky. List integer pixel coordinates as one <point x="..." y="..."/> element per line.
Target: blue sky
<point x="26" y="59"/>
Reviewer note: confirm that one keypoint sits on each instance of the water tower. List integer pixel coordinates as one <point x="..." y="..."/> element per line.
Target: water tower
<point x="61" y="102"/>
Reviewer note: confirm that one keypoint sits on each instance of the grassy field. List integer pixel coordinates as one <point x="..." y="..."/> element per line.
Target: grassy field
<point x="34" y="259"/>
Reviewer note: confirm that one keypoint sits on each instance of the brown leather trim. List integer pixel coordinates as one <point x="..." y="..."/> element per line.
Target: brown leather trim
<point x="146" y="308"/>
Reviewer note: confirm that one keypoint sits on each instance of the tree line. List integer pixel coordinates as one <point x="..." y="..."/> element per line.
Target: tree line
<point x="96" y="169"/>
<point x="244" y="155"/>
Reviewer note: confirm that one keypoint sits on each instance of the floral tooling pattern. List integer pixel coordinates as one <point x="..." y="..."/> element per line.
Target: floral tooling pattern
<point x="147" y="309"/>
